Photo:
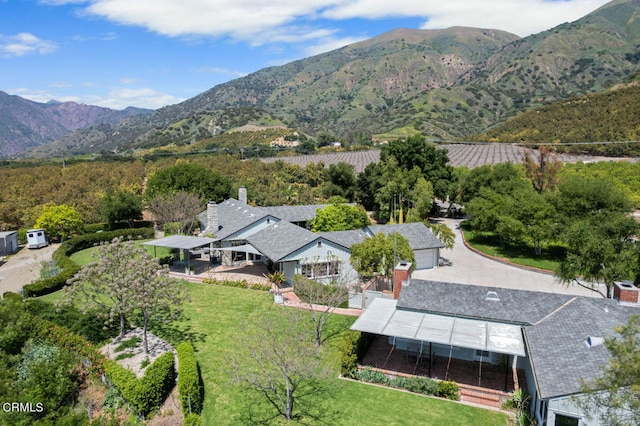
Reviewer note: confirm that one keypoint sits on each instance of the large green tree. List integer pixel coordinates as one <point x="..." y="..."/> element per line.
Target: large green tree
<point x="432" y="161"/>
<point x="600" y="249"/>
<point x="121" y="206"/>
<point x="60" y="221"/>
<point x="193" y="178"/>
<point x="600" y="234"/>
<point x="379" y="254"/>
<point x="340" y="181"/>
<point x="614" y="397"/>
<point x="339" y="217"/>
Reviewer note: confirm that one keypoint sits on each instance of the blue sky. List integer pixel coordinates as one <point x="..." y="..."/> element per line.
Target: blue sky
<point x="152" y="53"/>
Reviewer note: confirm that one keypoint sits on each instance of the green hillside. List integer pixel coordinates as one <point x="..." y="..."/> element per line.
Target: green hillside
<point x="612" y="115"/>
<point x="446" y="84"/>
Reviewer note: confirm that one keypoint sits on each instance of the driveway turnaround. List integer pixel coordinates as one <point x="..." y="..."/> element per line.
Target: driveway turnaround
<point x="468" y="267"/>
<point x="23" y="267"/>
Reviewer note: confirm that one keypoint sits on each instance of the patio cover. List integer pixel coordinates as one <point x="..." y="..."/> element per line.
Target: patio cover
<point x="381" y="317"/>
<point x="245" y="248"/>
<point x="184" y="242"/>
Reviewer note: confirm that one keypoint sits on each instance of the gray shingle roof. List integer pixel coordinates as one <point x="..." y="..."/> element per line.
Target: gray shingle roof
<point x="294" y="213"/>
<point x="281" y="239"/>
<point x="234" y="216"/>
<point x="514" y="306"/>
<point x="555" y="326"/>
<point x="419" y="236"/>
<point x="559" y="355"/>
<point x="345" y="238"/>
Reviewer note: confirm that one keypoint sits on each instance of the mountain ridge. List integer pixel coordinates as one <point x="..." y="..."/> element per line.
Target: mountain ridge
<point x="447" y="84"/>
<point x="25" y="123"/>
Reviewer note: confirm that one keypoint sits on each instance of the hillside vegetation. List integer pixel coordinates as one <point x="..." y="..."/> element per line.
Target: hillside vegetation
<point x="612" y="115"/>
<point x="446" y="84"/>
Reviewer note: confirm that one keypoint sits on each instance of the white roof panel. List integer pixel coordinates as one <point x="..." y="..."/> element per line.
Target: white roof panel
<point x="436" y="329"/>
<point x="382" y="317"/>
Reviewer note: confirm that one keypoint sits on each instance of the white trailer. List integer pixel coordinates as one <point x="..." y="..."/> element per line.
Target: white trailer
<point x="36" y="238"/>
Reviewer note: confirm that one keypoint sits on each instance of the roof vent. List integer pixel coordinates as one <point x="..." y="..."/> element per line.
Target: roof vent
<point x="492" y="296"/>
<point x="594" y="341"/>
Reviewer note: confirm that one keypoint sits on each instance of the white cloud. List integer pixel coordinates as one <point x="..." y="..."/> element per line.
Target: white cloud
<point x="522" y="17"/>
<point x="24" y="44"/>
<point x="223" y="71"/>
<point x="260" y="22"/>
<point x="329" y="43"/>
<point x="118" y="98"/>
<point x="241" y="19"/>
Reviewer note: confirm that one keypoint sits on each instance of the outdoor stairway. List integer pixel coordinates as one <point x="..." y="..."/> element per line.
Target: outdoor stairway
<point x="482" y="396"/>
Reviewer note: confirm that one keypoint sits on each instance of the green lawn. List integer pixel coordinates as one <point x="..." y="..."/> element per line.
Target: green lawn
<point x="83" y="257"/>
<point x="212" y="323"/>
<point x="490" y="244"/>
<point x="212" y="320"/>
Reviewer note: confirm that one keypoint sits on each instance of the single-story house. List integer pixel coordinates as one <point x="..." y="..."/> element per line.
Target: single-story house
<point x="8" y="242"/>
<point x="278" y="235"/>
<point x="556" y="339"/>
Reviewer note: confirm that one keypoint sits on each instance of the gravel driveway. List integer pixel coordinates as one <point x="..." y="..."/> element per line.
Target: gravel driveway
<point x="23" y="267"/>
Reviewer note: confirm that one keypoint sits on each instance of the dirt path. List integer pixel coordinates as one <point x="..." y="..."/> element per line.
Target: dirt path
<point x="23" y="267"/>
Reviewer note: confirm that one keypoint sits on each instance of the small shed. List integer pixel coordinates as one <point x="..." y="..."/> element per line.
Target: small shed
<point x="36" y="238"/>
<point x="8" y="242"/>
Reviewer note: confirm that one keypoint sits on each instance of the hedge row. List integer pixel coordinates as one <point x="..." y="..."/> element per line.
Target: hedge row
<point x="190" y="386"/>
<point x="423" y="385"/>
<point x="61" y="336"/>
<point x="237" y="284"/>
<point x="352" y="350"/>
<point x="69" y="267"/>
<point x="146" y="394"/>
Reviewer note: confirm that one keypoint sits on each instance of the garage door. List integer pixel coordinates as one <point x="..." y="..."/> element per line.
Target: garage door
<point x="426" y="259"/>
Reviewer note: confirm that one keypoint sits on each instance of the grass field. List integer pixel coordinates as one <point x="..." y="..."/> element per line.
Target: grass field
<point x="490" y="244"/>
<point x="83" y="257"/>
<point x="212" y="322"/>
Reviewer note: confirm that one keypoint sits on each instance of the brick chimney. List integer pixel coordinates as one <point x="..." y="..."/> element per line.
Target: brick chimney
<point x="625" y="292"/>
<point x="401" y="276"/>
<point x="242" y="194"/>
<point x="212" y="218"/>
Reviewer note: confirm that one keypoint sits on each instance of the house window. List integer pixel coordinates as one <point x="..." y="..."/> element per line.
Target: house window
<point x="562" y="420"/>
<point x="320" y="269"/>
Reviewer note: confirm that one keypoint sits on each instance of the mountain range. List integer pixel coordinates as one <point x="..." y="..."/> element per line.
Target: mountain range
<point x="447" y="84"/>
<point x="24" y="123"/>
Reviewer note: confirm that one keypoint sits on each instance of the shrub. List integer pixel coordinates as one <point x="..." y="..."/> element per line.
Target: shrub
<point x="368" y="375"/>
<point x="352" y="350"/>
<point x="190" y="386"/>
<point x="14" y="297"/>
<point x="148" y="393"/>
<point x="128" y="344"/>
<point x="124" y="355"/>
<point x="60" y="336"/>
<point x="260" y="287"/>
<point x="227" y="283"/>
<point x="449" y="390"/>
<point x="422" y="385"/>
<point x="192" y="419"/>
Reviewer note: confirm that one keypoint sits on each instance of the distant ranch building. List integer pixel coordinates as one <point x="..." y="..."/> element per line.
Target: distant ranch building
<point x="8" y="243"/>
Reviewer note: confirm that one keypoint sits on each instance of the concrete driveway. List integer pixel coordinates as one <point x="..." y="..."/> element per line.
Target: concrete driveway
<point x="468" y="267"/>
<point x="23" y="267"/>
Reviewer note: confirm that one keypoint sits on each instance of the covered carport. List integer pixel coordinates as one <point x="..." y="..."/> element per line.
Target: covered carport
<point x="417" y="332"/>
<point x="185" y="243"/>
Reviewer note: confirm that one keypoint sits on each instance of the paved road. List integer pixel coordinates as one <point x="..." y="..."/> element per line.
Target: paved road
<point x="23" y="267"/>
<point x="468" y="267"/>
